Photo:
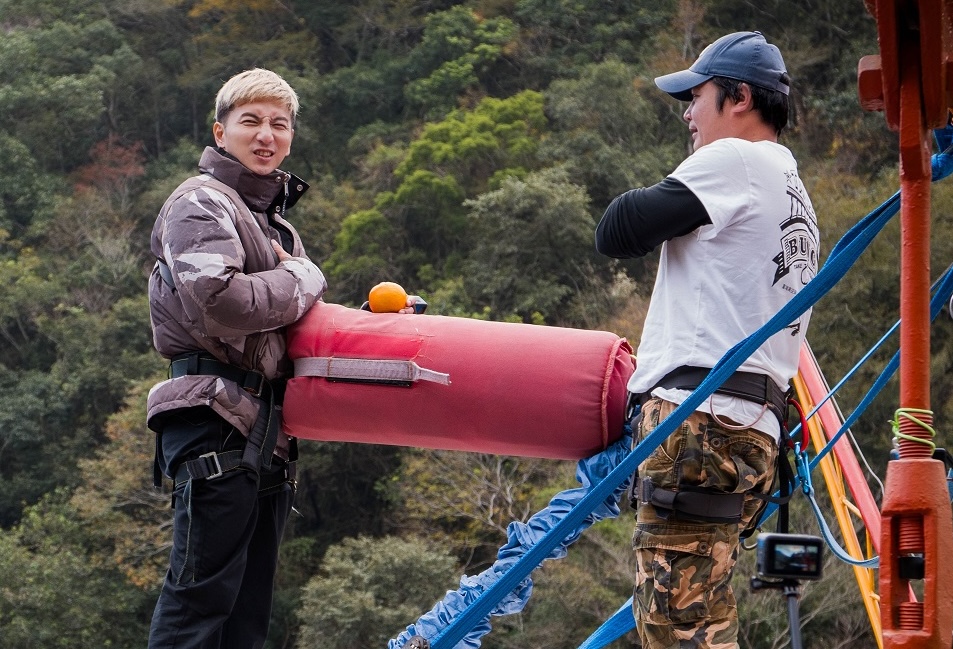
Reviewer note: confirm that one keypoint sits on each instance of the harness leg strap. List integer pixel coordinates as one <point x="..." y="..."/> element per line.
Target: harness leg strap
<point x="272" y="482"/>
<point x="208" y="466"/>
<point x="692" y="503"/>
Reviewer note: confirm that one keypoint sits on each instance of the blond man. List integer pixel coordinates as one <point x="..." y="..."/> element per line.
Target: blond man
<point x="231" y="273"/>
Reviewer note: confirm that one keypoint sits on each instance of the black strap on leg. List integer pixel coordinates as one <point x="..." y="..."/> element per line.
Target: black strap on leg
<point x="634" y="423"/>
<point x="692" y="503"/>
<point x="687" y="502"/>
<point x="263" y="437"/>
<point x="261" y="440"/>
<point x="156" y="471"/>
<point x="259" y="449"/>
<point x="785" y="491"/>
<point x="208" y="466"/>
<point x="276" y="480"/>
<point x="214" y="465"/>
<point x="704" y="505"/>
<point x="785" y="478"/>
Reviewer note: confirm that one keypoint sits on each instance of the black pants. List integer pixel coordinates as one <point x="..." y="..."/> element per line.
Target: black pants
<point x="218" y="589"/>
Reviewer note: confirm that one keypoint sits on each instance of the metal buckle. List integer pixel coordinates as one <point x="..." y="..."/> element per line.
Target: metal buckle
<point x="214" y="456"/>
<point x="254" y="383"/>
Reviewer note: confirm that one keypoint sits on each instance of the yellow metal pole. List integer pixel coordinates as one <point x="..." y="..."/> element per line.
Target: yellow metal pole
<point x="843" y="509"/>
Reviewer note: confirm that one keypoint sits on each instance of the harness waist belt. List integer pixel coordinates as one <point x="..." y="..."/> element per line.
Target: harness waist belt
<point x="263" y="435"/>
<point x="759" y="388"/>
<point x="208" y="466"/>
<point x="251" y="381"/>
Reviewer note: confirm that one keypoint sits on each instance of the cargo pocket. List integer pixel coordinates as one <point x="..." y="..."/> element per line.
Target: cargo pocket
<point x="673" y="574"/>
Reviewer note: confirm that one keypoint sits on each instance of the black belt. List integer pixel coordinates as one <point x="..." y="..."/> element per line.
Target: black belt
<point x="249" y="380"/>
<point x="751" y="386"/>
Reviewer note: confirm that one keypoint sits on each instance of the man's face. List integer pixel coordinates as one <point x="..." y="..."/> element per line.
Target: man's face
<point x="705" y="122"/>
<point x="258" y="133"/>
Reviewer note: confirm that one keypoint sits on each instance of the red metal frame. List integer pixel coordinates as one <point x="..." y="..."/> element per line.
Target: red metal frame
<point x="911" y="82"/>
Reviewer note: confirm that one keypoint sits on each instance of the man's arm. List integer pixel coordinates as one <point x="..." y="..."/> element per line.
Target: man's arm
<point x="207" y="259"/>
<point x="638" y="221"/>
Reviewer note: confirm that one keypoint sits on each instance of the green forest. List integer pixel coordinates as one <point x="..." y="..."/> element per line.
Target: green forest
<point x="463" y="149"/>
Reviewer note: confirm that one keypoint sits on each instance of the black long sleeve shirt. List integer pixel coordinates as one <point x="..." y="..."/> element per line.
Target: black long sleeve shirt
<point x="638" y="221"/>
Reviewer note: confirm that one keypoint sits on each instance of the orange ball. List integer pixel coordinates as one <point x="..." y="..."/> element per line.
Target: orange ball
<point x="387" y="297"/>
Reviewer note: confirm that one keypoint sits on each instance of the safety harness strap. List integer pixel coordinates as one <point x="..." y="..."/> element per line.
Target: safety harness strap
<point x="262" y="437"/>
<point x="165" y="273"/>
<point x="751" y="386"/>
<point x="786" y="483"/>
<point x="692" y="504"/>
<point x="197" y="363"/>
<point x="214" y="465"/>
<point x="208" y="466"/>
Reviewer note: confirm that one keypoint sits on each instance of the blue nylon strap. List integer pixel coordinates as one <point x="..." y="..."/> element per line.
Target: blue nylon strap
<point x="944" y="289"/>
<point x="612" y="629"/>
<point x="521" y="536"/>
<point x="843" y="255"/>
<point x="808" y="489"/>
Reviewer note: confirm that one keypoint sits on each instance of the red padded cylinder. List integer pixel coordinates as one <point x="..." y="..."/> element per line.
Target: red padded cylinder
<point x="515" y="389"/>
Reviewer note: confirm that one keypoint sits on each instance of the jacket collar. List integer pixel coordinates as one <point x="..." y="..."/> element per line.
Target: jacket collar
<point x="260" y="193"/>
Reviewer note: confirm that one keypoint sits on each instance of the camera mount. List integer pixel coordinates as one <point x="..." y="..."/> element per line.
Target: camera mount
<point x="783" y="561"/>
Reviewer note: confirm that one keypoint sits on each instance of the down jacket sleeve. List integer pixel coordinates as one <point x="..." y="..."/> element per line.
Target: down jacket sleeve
<point x="226" y="272"/>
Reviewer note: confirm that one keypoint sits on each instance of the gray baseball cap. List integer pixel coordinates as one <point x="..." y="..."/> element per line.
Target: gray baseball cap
<point x="745" y="56"/>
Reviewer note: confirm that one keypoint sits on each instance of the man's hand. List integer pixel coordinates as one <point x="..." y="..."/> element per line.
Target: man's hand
<point x="415" y="304"/>
<point x="281" y="252"/>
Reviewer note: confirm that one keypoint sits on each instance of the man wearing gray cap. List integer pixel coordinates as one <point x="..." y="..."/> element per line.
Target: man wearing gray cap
<point x="738" y="239"/>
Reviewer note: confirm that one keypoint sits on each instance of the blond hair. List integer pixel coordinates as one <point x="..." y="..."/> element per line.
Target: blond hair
<point x="257" y="84"/>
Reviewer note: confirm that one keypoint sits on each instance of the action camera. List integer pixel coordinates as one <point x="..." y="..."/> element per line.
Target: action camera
<point x="789" y="556"/>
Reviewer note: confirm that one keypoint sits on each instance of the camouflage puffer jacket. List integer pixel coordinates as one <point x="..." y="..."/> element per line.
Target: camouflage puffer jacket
<point x="231" y="298"/>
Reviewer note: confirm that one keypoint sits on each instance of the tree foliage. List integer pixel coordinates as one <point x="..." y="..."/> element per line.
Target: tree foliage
<point x="466" y="500"/>
<point x="421" y="223"/>
<point x="369" y="589"/>
<point x="58" y="591"/>
<point x="609" y="130"/>
<point x="544" y="223"/>
<point x="458" y="48"/>
<point x="127" y="518"/>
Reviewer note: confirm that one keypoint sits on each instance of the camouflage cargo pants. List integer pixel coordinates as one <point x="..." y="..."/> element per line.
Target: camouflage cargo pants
<point x="683" y="596"/>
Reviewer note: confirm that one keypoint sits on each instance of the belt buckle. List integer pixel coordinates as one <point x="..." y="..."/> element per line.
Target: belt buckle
<point x="254" y="383"/>
<point x="633" y="406"/>
<point x="218" y="465"/>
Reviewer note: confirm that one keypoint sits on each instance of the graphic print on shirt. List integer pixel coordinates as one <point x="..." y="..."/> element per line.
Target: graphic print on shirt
<point x="797" y="261"/>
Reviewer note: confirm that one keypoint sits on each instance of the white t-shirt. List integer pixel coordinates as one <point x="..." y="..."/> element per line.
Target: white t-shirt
<point x="721" y="282"/>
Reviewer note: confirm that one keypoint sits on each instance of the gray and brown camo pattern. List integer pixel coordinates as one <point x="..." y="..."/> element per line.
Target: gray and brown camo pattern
<point x="683" y="596"/>
<point x="232" y="298"/>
